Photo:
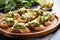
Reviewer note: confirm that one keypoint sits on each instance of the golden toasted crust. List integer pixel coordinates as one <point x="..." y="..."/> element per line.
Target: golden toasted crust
<point x="47" y="23"/>
<point x="24" y="21"/>
<point x="6" y="25"/>
<point x="40" y="28"/>
<point x="18" y="16"/>
<point x="26" y="30"/>
<point x="52" y="17"/>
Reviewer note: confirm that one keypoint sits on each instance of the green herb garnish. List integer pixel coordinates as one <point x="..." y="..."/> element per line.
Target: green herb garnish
<point x="8" y="5"/>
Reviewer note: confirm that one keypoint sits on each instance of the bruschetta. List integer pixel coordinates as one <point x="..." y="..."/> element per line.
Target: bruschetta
<point x="27" y="17"/>
<point x="6" y="22"/>
<point x="50" y="15"/>
<point x="19" y="27"/>
<point x="12" y="15"/>
<point x="34" y="25"/>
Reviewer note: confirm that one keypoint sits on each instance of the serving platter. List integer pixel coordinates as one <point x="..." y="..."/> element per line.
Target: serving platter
<point x="49" y="29"/>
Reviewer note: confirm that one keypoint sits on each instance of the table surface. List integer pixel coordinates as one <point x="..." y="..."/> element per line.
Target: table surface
<point x="56" y="9"/>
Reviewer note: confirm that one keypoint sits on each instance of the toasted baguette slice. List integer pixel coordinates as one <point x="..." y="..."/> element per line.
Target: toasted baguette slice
<point x="24" y="21"/>
<point x="5" y="25"/>
<point x="26" y="30"/>
<point x="31" y="25"/>
<point x="12" y="15"/>
<point x="19" y="27"/>
<point x="27" y="17"/>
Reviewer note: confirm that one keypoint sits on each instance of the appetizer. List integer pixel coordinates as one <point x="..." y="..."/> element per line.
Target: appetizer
<point x="12" y="15"/>
<point x="6" y="22"/>
<point x="44" y="20"/>
<point x="50" y="15"/>
<point x="19" y="27"/>
<point x="35" y="25"/>
<point x="27" y="17"/>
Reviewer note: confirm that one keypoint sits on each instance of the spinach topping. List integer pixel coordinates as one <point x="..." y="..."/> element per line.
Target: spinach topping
<point x="7" y="21"/>
<point x="19" y="27"/>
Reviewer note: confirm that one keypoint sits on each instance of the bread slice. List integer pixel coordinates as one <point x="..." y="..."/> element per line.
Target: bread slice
<point x="6" y="25"/>
<point x="19" y="27"/>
